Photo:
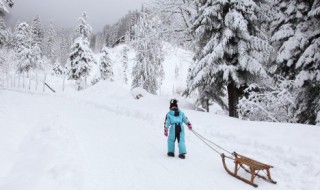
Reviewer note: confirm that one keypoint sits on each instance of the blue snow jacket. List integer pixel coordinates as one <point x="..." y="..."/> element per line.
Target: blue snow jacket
<point x="175" y="119"/>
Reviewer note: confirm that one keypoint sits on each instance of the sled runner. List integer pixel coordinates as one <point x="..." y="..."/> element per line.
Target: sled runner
<point x="249" y="165"/>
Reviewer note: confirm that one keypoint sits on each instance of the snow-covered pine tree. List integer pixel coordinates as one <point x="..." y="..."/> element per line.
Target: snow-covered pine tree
<point x="296" y="35"/>
<point x="37" y="32"/>
<point x="51" y="45"/>
<point x="4" y="33"/>
<point x="37" y="36"/>
<point x="229" y="47"/>
<point x="81" y="55"/>
<point x="78" y="63"/>
<point x="7" y="59"/>
<point x="309" y="76"/>
<point x="114" y="31"/>
<point x="125" y="62"/>
<point x="44" y="64"/>
<point x="291" y="32"/>
<point x="148" y="71"/>
<point x="97" y="42"/>
<point x="106" y="65"/>
<point x="83" y="28"/>
<point x="37" y="58"/>
<point x="134" y="16"/>
<point x="23" y="48"/>
<point x="65" y="41"/>
<point x="57" y="68"/>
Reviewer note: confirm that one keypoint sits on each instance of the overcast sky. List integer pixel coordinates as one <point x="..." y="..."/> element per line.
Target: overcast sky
<point x="65" y="13"/>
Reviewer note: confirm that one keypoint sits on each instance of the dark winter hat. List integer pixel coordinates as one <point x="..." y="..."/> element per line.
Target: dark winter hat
<point x="173" y="102"/>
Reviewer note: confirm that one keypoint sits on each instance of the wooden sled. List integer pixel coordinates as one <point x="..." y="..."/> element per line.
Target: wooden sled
<point x="249" y="165"/>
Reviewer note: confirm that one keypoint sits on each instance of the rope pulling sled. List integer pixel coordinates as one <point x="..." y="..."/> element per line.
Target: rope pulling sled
<point x="249" y="165"/>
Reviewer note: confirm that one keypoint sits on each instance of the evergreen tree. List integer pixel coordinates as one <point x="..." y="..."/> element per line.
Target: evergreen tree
<point x="292" y="31"/>
<point x="65" y="41"/>
<point x="57" y="68"/>
<point x="23" y="48"/>
<point x="309" y="67"/>
<point x="148" y="71"/>
<point x="38" y="60"/>
<point x="84" y="29"/>
<point x="122" y="28"/>
<point x="78" y="64"/>
<point x="37" y="36"/>
<point x="134" y="17"/>
<point x="4" y="33"/>
<point x="125" y="62"/>
<point x="114" y="34"/>
<point x="296" y="36"/>
<point x="51" y="45"/>
<point x="106" y="65"/>
<point x="229" y="49"/>
<point x="7" y="58"/>
<point x="37" y="32"/>
<point x="81" y="55"/>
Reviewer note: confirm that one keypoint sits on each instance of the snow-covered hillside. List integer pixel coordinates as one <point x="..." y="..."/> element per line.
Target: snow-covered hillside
<point x="102" y="138"/>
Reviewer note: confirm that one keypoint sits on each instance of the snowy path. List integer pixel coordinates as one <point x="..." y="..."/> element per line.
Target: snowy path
<point x="83" y="142"/>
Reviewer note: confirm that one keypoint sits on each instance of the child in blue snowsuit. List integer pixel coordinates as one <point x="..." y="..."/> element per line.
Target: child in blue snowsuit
<point x="175" y="118"/>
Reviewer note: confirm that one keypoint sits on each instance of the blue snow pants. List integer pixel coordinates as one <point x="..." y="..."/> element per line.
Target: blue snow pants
<point x="176" y="131"/>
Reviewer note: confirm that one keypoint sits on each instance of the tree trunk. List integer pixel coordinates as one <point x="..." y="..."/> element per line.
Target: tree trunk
<point x="233" y="99"/>
<point x="207" y="105"/>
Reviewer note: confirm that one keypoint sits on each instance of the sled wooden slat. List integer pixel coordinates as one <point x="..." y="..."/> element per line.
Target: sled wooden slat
<point x="249" y="165"/>
<point x="250" y="162"/>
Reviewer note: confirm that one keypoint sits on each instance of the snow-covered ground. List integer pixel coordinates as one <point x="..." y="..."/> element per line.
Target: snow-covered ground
<point x="102" y="138"/>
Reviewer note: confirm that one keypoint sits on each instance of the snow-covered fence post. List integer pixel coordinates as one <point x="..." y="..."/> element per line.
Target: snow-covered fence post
<point x="85" y="82"/>
<point x="7" y="79"/>
<point x="36" y="82"/>
<point x="44" y="82"/>
<point x="29" y="82"/>
<point x="23" y="79"/>
<point x="19" y="80"/>
<point x="63" y="82"/>
<point x="12" y="81"/>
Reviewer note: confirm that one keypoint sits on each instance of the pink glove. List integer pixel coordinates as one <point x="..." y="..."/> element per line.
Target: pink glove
<point x="166" y="132"/>
<point x="189" y="126"/>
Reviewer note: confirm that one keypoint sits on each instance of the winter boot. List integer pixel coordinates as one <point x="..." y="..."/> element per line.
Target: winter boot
<point x="182" y="156"/>
<point x="170" y="154"/>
